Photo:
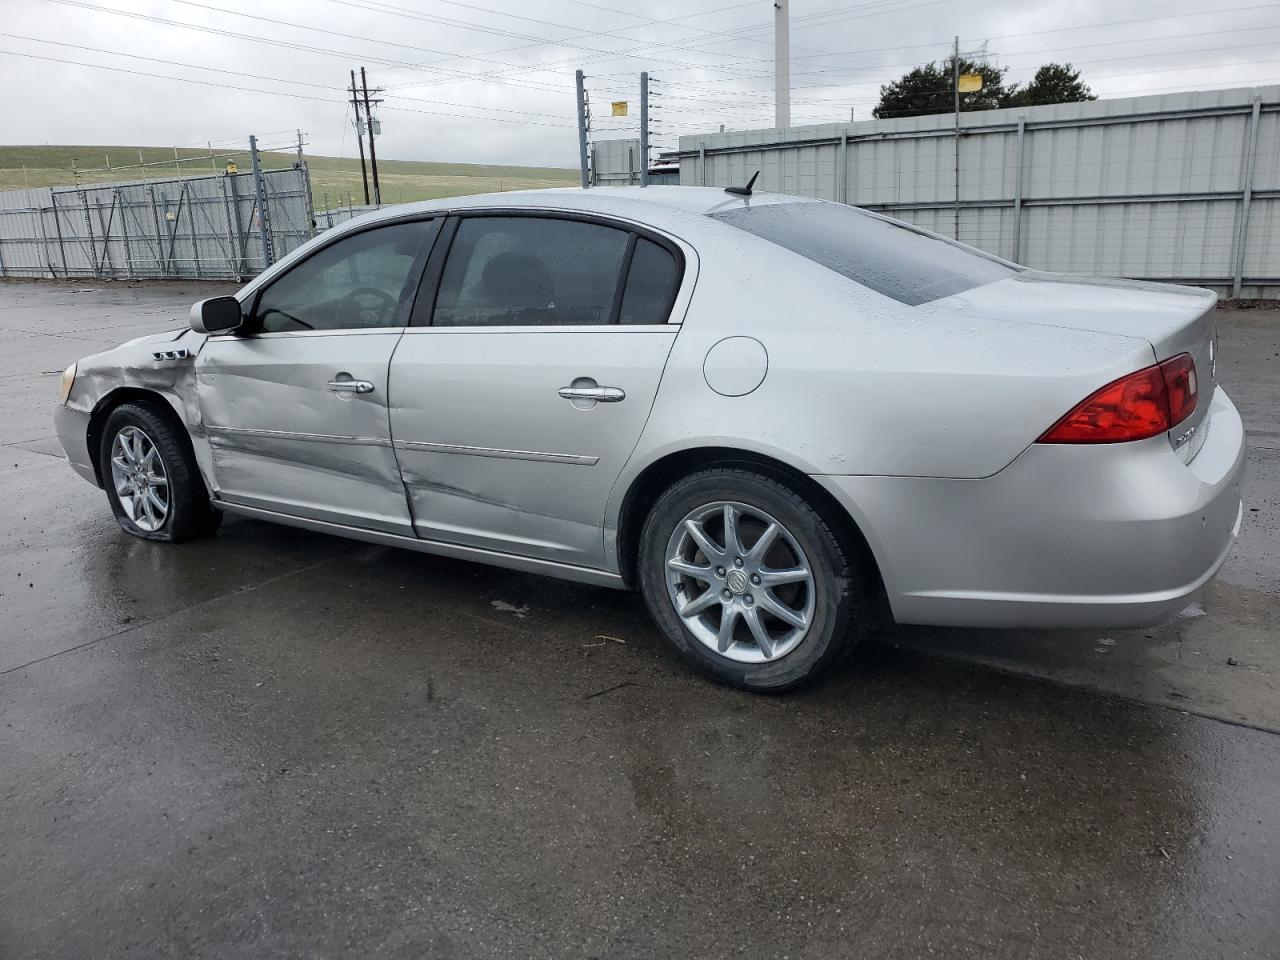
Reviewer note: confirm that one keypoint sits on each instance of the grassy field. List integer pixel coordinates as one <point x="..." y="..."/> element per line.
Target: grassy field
<point x="334" y="179"/>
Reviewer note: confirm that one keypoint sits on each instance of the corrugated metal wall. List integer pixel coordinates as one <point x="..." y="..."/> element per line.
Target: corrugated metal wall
<point x="1144" y="187"/>
<point x="194" y="227"/>
<point x="615" y="163"/>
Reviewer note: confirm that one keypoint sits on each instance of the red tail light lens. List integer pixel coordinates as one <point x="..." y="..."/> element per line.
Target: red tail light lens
<point x="1151" y="401"/>
<point x="1180" y="385"/>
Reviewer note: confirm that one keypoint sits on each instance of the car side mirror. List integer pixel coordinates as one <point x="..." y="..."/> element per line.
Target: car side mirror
<point x="216" y="315"/>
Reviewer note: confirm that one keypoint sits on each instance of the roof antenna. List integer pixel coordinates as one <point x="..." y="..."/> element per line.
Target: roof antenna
<point x="743" y="191"/>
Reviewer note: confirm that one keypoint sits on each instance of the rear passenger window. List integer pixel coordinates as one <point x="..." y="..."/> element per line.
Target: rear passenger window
<point x="530" y="271"/>
<point x="651" y="285"/>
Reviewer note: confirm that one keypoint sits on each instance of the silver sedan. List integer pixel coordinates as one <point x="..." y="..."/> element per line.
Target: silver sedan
<point x="776" y="417"/>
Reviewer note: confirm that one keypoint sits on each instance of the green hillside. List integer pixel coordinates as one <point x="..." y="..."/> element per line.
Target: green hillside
<point x="332" y="178"/>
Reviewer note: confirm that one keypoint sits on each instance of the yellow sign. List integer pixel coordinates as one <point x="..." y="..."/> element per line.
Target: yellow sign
<point x="970" y="82"/>
<point x="619" y="108"/>
<point x="231" y="167"/>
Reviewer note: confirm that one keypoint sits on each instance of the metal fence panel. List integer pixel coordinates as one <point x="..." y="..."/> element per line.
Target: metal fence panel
<point x="1181" y="187"/>
<point x="193" y="227"/>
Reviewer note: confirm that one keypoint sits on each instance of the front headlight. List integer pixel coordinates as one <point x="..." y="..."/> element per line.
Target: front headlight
<point x="64" y="386"/>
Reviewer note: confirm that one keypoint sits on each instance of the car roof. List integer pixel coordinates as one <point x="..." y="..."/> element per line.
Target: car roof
<point x="638" y="203"/>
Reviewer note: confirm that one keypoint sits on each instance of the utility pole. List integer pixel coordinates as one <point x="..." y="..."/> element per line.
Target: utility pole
<point x="373" y="152"/>
<point x="782" y="63"/>
<point x="955" y="86"/>
<point x="306" y="180"/>
<point x="582" y="128"/>
<point x="644" y="129"/>
<point x="355" y="103"/>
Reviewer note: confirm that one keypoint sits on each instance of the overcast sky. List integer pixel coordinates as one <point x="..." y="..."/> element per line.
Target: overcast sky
<point x="491" y="81"/>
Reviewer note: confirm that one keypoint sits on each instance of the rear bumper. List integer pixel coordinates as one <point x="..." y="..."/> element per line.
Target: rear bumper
<point x="1112" y="535"/>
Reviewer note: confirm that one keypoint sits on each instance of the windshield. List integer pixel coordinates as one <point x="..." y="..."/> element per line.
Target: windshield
<point x="890" y="257"/>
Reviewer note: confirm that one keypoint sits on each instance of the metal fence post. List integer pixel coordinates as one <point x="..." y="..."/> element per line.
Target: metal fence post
<point x="161" y="263"/>
<point x="191" y="225"/>
<point x="1017" y="192"/>
<point x="644" y="129"/>
<point x="842" y="175"/>
<point x="231" y="237"/>
<point x="44" y="241"/>
<point x="57" y="225"/>
<point x="1246" y="195"/>
<point x="260" y="189"/>
<point x="582" y="128"/>
<point x="124" y="232"/>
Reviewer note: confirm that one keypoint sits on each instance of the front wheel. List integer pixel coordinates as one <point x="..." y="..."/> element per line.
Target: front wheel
<point x="749" y="582"/>
<point x="151" y="478"/>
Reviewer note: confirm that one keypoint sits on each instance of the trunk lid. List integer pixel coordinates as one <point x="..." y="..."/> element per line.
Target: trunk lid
<point x="1173" y="319"/>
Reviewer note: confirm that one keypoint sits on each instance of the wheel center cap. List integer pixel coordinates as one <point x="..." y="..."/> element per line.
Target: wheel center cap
<point x="737" y="581"/>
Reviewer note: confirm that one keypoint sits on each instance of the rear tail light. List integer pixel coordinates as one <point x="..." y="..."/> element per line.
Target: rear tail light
<point x="1149" y="402"/>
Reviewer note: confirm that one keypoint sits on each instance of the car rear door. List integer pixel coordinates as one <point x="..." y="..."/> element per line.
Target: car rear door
<point x="295" y="403"/>
<point x="521" y="387"/>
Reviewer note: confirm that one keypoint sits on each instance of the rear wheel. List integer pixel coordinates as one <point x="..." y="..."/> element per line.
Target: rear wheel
<point x="151" y="478"/>
<point x="749" y="582"/>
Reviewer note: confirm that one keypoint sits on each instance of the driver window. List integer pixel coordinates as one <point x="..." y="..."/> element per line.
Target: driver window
<point x="365" y="280"/>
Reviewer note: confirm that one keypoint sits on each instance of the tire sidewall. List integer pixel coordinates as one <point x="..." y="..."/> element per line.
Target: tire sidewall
<point x="834" y="599"/>
<point x="168" y="448"/>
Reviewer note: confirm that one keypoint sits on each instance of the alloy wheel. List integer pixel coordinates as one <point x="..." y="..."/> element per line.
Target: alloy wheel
<point x="740" y="582"/>
<point x="140" y="480"/>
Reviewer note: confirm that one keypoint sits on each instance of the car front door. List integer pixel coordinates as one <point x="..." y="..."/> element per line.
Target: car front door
<point x="295" y="404"/>
<point x="520" y="392"/>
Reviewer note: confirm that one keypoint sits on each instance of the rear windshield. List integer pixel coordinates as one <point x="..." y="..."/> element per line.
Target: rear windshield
<point x="890" y="257"/>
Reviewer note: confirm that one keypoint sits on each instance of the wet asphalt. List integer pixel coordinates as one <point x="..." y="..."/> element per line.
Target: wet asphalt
<point x="276" y="743"/>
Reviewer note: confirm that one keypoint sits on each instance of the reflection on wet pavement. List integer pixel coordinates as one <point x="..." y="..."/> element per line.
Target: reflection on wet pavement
<point x="278" y="743"/>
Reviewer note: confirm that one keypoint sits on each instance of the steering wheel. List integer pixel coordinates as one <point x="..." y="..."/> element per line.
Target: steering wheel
<point x="375" y="307"/>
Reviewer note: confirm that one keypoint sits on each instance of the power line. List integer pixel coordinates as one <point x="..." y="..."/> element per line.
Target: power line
<point x="376" y="6"/>
<point x="276" y="93"/>
<point x="257" y="76"/>
<point x="1037" y="33"/>
<point x="826" y="71"/>
<point x="480" y="58"/>
<point x="346" y="55"/>
<point x="644" y="48"/>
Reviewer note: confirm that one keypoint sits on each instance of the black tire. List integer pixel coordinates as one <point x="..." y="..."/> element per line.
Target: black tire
<point x="190" y="514"/>
<point x="842" y="602"/>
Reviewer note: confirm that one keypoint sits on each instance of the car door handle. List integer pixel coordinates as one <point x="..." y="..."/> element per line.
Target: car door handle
<point x="598" y="394"/>
<point x="350" y="386"/>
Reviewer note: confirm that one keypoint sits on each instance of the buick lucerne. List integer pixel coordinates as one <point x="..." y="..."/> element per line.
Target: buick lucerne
<point x="778" y="418"/>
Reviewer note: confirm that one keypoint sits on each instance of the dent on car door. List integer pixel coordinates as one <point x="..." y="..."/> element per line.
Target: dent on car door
<point x="296" y="403"/>
<point x="516" y="409"/>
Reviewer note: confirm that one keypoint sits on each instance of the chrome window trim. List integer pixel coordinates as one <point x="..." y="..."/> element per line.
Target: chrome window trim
<point x="276" y="334"/>
<point x="687" y="259"/>
<point x="592" y="328"/>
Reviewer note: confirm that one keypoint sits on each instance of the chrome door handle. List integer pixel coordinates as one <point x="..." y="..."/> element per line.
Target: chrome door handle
<point x="350" y="386"/>
<point x="597" y="394"/>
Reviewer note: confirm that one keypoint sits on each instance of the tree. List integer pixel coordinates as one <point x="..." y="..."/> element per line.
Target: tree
<point x="1053" y="83"/>
<point x="930" y="89"/>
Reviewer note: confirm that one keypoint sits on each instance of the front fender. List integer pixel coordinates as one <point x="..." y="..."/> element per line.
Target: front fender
<point x="149" y="368"/>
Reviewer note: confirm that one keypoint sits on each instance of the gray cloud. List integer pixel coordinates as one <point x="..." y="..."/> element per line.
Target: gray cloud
<point x="492" y="82"/>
